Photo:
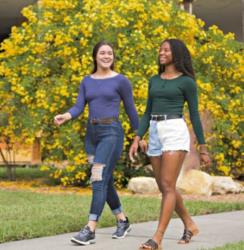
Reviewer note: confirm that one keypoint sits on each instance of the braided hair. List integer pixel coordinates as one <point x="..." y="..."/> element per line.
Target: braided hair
<point x="180" y="56"/>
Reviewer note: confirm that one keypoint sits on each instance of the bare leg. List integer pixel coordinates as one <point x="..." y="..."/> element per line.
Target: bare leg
<point x="184" y="215"/>
<point x="121" y="216"/>
<point x="92" y="225"/>
<point x="166" y="171"/>
<point x="179" y="206"/>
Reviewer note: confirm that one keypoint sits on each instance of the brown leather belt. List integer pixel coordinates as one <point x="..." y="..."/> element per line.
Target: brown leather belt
<point x="107" y="120"/>
<point x="164" y="117"/>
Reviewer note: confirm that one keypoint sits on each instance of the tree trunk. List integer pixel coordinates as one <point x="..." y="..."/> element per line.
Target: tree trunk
<point x="10" y="169"/>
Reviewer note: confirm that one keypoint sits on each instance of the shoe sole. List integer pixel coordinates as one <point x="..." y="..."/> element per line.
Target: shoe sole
<point x="123" y="236"/>
<point x="83" y="243"/>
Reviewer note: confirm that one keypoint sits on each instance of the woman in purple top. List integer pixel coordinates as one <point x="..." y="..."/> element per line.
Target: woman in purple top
<point x="103" y="90"/>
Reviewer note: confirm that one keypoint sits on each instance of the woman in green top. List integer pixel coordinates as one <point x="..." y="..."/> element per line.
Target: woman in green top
<point x="169" y="139"/>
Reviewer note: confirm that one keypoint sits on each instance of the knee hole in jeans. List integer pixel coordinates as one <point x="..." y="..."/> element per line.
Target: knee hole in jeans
<point x="97" y="172"/>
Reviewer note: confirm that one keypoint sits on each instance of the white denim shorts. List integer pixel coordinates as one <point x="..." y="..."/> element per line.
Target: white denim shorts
<point x="168" y="135"/>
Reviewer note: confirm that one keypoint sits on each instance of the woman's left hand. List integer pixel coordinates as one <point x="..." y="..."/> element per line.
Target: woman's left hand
<point x="205" y="159"/>
<point x="133" y="149"/>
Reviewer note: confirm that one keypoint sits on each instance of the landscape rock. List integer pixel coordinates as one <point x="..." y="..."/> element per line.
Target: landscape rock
<point x="195" y="182"/>
<point x="143" y="185"/>
<point x="225" y="184"/>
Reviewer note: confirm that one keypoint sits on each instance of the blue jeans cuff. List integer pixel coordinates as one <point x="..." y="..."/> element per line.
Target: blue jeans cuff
<point x="117" y="210"/>
<point x="93" y="217"/>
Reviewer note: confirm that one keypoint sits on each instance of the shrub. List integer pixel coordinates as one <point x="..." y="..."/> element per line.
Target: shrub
<point x="43" y="61"/>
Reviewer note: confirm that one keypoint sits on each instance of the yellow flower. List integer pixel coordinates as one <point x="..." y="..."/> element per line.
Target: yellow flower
<point x="57" y="174"/>
<point x="80" y="176"/>
<point x="236" y="143"/>
<point x="220" y="157"/>
<point x="44" y="168"/>
<point x="224" y="169"/>
<point x="70" y="168"/>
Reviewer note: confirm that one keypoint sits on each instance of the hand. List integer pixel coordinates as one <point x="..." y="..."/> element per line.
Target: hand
<point x="205" y="159"/>
<point x="133" y="149"/>
<point x="143" y="146"/>
<point x="61" y="118"/>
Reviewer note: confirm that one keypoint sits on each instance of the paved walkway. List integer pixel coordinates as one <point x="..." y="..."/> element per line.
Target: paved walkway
<point x="215" y="230"/>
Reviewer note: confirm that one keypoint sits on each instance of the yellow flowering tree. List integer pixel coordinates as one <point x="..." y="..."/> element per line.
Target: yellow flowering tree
<point x="43" y="61"/>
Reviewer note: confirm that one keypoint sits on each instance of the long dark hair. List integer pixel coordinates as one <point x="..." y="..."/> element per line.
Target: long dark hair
<point x="181" y="58"/>
<point x="94" y="54"/>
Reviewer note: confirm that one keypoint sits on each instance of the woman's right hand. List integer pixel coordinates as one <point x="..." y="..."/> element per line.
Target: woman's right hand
<point x="62" y="118"/>
<point x="143" y="146"/>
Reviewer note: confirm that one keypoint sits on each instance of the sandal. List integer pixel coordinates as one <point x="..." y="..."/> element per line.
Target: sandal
<point x="187" y="235"/>
<point x="150" y="244"/>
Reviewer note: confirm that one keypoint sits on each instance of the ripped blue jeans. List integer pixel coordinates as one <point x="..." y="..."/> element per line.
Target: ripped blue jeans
<point x="103" y="144"/>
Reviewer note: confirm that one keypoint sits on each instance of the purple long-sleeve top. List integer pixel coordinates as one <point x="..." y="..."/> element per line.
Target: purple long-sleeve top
<point x="104" y="96"/>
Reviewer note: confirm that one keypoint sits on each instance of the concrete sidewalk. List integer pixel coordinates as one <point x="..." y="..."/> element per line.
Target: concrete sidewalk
<point x="215" y="230"/>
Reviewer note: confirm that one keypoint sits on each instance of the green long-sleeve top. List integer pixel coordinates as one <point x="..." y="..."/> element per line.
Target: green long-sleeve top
<point x="168" y="96"/>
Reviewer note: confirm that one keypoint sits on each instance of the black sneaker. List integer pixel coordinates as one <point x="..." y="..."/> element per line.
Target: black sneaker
<point x="84" y="237"/>
<point x="123" y="227"/>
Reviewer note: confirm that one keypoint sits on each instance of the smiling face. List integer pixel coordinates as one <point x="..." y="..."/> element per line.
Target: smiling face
<point x="105" y="57"/>
<point x="165" y="54"/>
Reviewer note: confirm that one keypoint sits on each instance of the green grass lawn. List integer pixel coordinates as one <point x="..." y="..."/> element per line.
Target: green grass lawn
<point x="27" y="214"/>
<point x="24" y="173"/>
<point x="232" y="246"/>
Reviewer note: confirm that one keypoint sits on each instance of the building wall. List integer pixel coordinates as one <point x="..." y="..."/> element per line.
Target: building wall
<point x="10" y="15"/>
<point x="228" y="15"/>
